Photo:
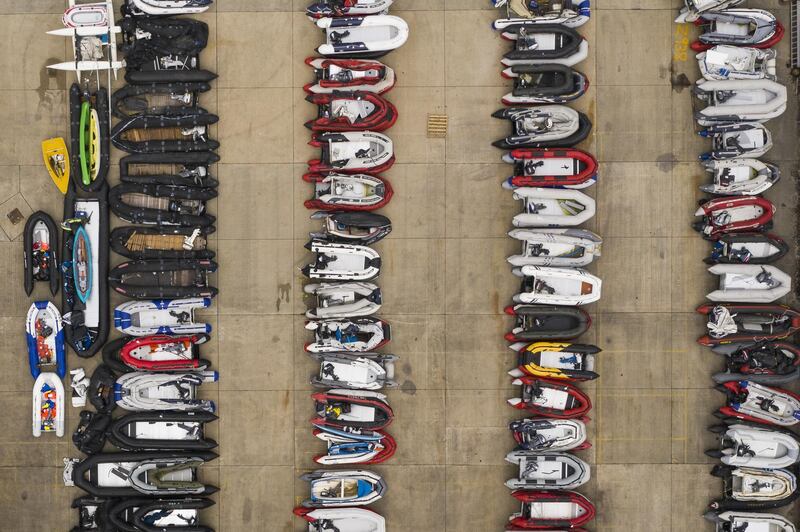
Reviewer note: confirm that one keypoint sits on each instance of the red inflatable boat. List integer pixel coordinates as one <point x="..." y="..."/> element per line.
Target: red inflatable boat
<point x="734" y="215"/>
<point x="164" y="353"/>
<point x="349" y="74"/>
<point x="548" y="398"/>
<point x="351" y="111"/>
<point x="748" y="323"/>
<point x="549" y="510"/>
<point x="551" y="167"/>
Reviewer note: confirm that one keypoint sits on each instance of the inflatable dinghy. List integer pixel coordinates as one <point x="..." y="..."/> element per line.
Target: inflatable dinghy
<point x="567" y="168"/>
<point x="557" y="286"/>
<point x="364" y="228"/>
<point x="159" y="515"/>
<point x="750" y="401"/>
<point x="344" y="519"/>
<point x="160" y="352"/>
<point x="162" y="204"/>
<point x="737" y="62"/>
<point x="550" y="509"/>
<point x="44" y="332"/>
<point x="343" y="300"/>
<point x="738" y="520"/>
<point x="349" y="75"/>
<point x="351" y="111"/>
<point x="89" y="138"/>
<point x="331" y="489"/>
<point x="342" y="262"/>
<point x="740" y="177"/>
<point x="541" y="322"/>
<point x="551" y="207"/>
<point x="756" y="283"/>
<point x="740" y="27"/>
<point x="158" y="278"/>
<point x="556" y="247"/>
<point x="161" y="316"/>
<point x="541" y="435"/>
<point x="165" y="133"/>
<point x="40" y="252"/>
<point x="739" y="100"/>
<point x="551" y="471"/>
<point x="168" y="7"/>
<point x="190" y="169"/>
<point x="553" y="399"/>
<point x="363" y="371"/>
<point x="359" y="192"/>
<point x="735" y="214"/>
<point x="543" y="127"/>
<point x="694" y="9"/>
<point x="359" y="335"/>
<point x="162" y="430"/>
<point x="352" y="152"/>
<point x="160" y="99"/>
<point x="763" y="362"/>
<point x="748" y="323"/>
<point x="362" y="37"/>
<point x="555" y="360"/>
<point x="353" y="409"/>
<point x="570" y="13"/>
<point x="347" y="8"/>
<point x="139" y="391"/>
<point x="746" y="488"/>
<point x="172" y="243"/>
<point x="737" y="140"/>
<point x="747" y="248"/>
<point x="545" y="84"/>
<point x="753" y="445"/>
<point x="48" y="405"/>
<point x="543" y="45"/>
<point x="354" y="446"/>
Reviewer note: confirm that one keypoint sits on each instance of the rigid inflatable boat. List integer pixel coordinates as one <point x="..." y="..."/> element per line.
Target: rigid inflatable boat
<point x="343" y="300"/>
<point x="753" y="445"/>
<point x="544" y="44"/>
<point x="356" y="409"/>
<point x="735" y="214"/>
<point x="349" y="75"/>
<point x="551" y="207"/>
<point x="162" y="430"/>
<point x="740" y="177"/>
<point x="161" y="473"/>
<point x="738" y="520"/>
<point x="737" y="140"/>
<point x="140" y="391"/>
<point x="162" y="204"/>
<point x="351" y="111"/>
<point x="158" y="278"/>
<point x="555" y="360"/>
<point x="737" y="62"/>
<point x="739" y="100"/>
<point x="750" y="401"/>
<point x="160" y="99"/>
<point x="354" y="446"/>
<point x="746" y="488"/>
<point x="552" y="471"/>
<point x="48" y="404"/>
<point x="362" y="37"/>
<point x="557" y="286"/>
<point x="757" y="283"/>
<point x="189" y="169"/>
<point x="363" y="371"/>
<point x="346" y="520"/>
<point x="748" y="323"/>
<point x="85" y="314"/>
<point x="347" y="8"/>
<point x="358" y="335"/>
<point x="161" y="316"/>
<point x="570" y="13"/>
<point x="89" y="138"/>
<point x="740" y="27"/>
<point x="40" y="252"/>
<point x="747" y="248"/>
<point x="342" y="262"/>
<point x="331" y="489"/>
<point x="550" y="509"/>
<point x="165" y="133"/>
<point x="545" y="84"/>
<point x="543" y="435"/>
<point x="548" y="398"/>
<point x="694" y="9"/>
<point x="167" y="7"/>
<point x="176" y="243"/>
<point x="159" y="352"/>
<point x="364" y="228"/>
<point x="542" y="322"/>
<point x="551" y="167"/>
<point x="44" y="333"/>
<point x="352" y="152"/>
<point x="761" y="362"/>
<point x="556" y="247"/>
<point x="359" y="192"/>
<point x="543" y="126"/>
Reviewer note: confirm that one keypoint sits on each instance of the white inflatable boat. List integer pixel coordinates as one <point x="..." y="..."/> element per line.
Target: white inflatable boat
<point x="352" y="151"/>
<point x="342" y="262"/>
<point x="161" y="316"/>
<point x="343" y="488"/>
<point x="762" y="404"/>
<point x="547" y="207"/>
<point x="756" y="446"/>
<point x="141" y="391"/>
<point x="543" y="126"/>
<point x="557" y="286"/>
<point x="358" y="335"/>
<point x="48" y="405"/>
<point x="556" y="247"/>
<point x="348" y="192"/>
<point x="349" y="8"/>
<point x="739" y="100"/>
<point x="749" y="522"/>
<point x="342" y="519"/>
<point x="343" y="300"/>
<point x="568" y="13"/>
<point x="544" y="435"/>
<point x="751" y="485"/>
<point x="551" y="471"/>
<point x="363" y="371"/>
<point x="737" y="140"/>
<point x="169" y="7"/>
<point x="694" y="9"/>
<point x="740" y="177"/>
<point x="369" y="37"/>
<point x="749" y="283"/>
<point x="737" y="62"/>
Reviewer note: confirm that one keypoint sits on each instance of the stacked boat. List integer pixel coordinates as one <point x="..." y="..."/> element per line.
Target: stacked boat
<point x="549" y="176"/>
<point x="347" y="187"/>
<point x="746" y="326"/>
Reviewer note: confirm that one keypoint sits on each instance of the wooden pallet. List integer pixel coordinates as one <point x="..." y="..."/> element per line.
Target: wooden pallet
<point x="437" y="126"/>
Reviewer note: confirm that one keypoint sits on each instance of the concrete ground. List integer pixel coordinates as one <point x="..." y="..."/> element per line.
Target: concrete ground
<point x="445" y="280"/>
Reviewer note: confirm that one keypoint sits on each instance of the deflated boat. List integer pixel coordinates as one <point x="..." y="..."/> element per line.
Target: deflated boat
<point x="543" y="435"/>
<point x="177" y="243"/>
<point x="348" y="445"/>
<point x="157" y="99"/>
<point x="356" y="409"/>
<point x="352" y="227"/>
<point x="737" y="140"/>
<point x="753" y="445"/>
<point x="359" y="335"/>
<point x="735" y="214"/>
<point x="737" y="62"/>
<point x="550" y="509"/>
<point x="556" y="247"/>
<point x="543" y="126"/>
<point x="548" y="398"/>
<point x="747" y="248"/>
<point x="364" y="371"/>
<point x="141" y="391"/>
<point x="347" y="8"/>
<point x="342" y="262"/>
<point x="344" y="519"/>
<point x="351" y="111"/>
<point x="548" y="207"/>
<point x="693" y="9"/>
<point x="349" y="75"/>
<point x="555" y="360"/>
<point x="757" y="283"/>
<point x="557" y="286"/>
<point x="343" y="300"/>
<point x="368" y="37"/>
<point x="359" y="192"/>
<point x="740" y="27"/>
<point x="570" y="13"/>
<point x="157" y="278"/>
<point x="352" y="152"/>
<point x="544" y="44"/>
<point x="542" y="322"/>
<point x="739" y="100"/>
<point x="748" y="323"/>
<point x="551" y="167"/>
<point x="162" y="204"/>
<point x="161" y="316"/>
<point x="746" y="488"/>
<point x="761" y="362"/>
<point x="545" y="84"/>
<point x="740" y="177"/>
<point x="343" y="488"/>
<point x="44" y="334"/>
<point x="750" y="401"/>
<point x="40" y="252"/>
<point x="738" y="520"/>
<point x="552" y="471"/>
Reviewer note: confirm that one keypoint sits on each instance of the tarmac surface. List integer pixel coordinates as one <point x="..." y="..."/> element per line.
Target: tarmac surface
<point x="445" y="280"/>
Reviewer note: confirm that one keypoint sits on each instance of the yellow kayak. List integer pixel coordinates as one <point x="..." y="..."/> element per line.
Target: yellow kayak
<point x="56" y="159"/>
<point x="94" y="144"/>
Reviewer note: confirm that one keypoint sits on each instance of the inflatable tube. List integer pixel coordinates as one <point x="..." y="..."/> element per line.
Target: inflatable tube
<point x="168" y="430"/>
<point x="555" y="360"/>
<point x="735" y="214"/>
<point x="763" y="362"/>
<point x="40" y="252"/>
<point x="330" y="489"/>
<point x="556" y="247"/>
<point x="757" y="283"/>
<point x="743" y="444"/>
<point x="543" y="127"/>
<point x="90" y="165"/>
<point x="750" y="401"/>
<point x="164" y="279"/>
<point x="349" y="75"/>
<point x="343" y="300"/>
<point x="342" y="262"/>
<point x="161" y="316"/>
<point x="737" y="62"/>
<point x="351" y="111"/>
<point x="745" y="488"/>
<point x="547" y="322"/>
<point x="364" y="228"/>
<point x="158" y="515"/>
<point x="551" y="509"/>
<point x="48" y="405"/>
<point x="191" y="169"/>
<point x="139" y="391"/>
<point x="162" y="204"/>
<point x="571" y="14"/>
<point x="359" y="192"/>
<point x="557" y="286"/>
<point x="543" y="435"/>
<point x="349" y="8"/>
<point x="160" y="134"/>
<point x="552" y="471"/>
<point x="567" y="168"/>
<point x="358" y="335"/>
<point x="170" y="243"/>
<point x="550" y="207"/>
<point x="352" y="409"/>
<point x="740" y="27"/>
<point x="352" y="152"/>
<point x="363" y="371"/>
<point x="730" y="323"/>
<point x="44" y="333"/>
<point x="161" y="99"/>
<point x="343" y="519"/>
<point x="548" y="398"/>
<point x="362" y="37"/>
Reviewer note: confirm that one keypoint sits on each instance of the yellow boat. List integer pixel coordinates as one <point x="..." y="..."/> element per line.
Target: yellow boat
<point x="56" y="159"/>
<point x="556" y="360"/>
<point x="94" y="144"/>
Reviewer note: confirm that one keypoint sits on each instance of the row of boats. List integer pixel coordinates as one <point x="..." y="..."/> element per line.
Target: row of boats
<point x="738" y="92"/>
